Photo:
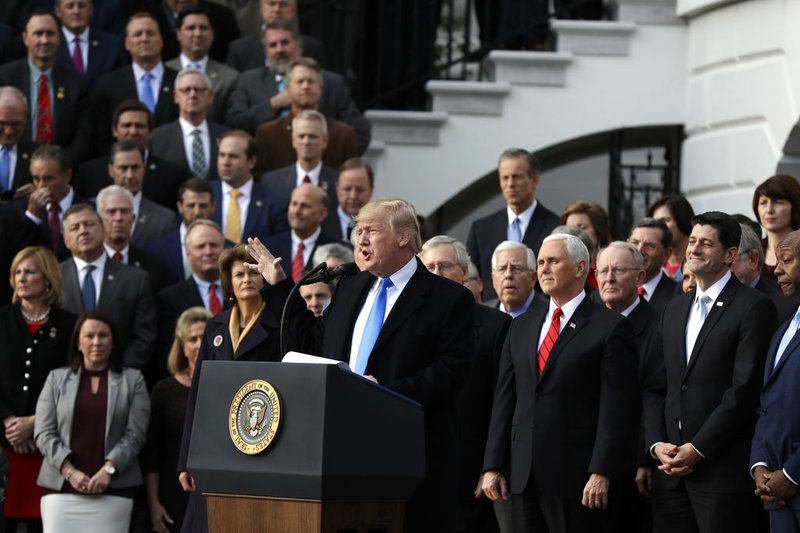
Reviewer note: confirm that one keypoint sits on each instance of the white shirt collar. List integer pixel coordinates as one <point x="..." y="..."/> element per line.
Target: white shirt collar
<point x="69" y="36"/>
<point x="400" y="278"/>
<point x="157" y="71"/>
<point x="714" y="290"/>
<point x="308" y="242"/>
<point x="185" y="62"/>
<point x="524" y="217"/>
<point x="650" y="286"/>
<point x="567" y="309"/>
<point x="313" y="174"/>
<point x="245" y="189"/>
<point x="188" y="128"/>
<point x="111" y="251"/>
<point x="66" y="202"/>
<point x="627" y="311"/>
<point x="524" y="307"/>
<point x="204" y="285"/>
<point x="99" y="263"/>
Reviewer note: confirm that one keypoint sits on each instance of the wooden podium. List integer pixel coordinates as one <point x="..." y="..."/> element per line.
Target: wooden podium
<point x="346" y="455"/>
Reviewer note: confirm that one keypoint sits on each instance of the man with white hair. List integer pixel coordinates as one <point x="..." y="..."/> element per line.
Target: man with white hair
<point x="513" y="278"/>
<point x="447" y="257"/>
<point x="15" y="151"/>
<point x="567" y="379"/>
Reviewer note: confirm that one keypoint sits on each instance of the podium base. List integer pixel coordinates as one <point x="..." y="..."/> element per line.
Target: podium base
<point x="281" y="515"/>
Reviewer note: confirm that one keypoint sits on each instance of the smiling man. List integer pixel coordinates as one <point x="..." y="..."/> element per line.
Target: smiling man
<point x="715" y="340"/>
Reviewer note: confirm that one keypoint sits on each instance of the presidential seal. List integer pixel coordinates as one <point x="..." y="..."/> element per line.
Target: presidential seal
<point x="254" y="417"/>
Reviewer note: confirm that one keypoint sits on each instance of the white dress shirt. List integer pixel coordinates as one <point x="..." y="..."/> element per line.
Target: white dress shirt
<point x="308" y="244"/>
<point x="246" y="191"/>
<point x="187" y="128"/>
<point x="568" y="309"/>
<point x="312" y="174"/>
<point x="524" y="219"/>
<point x="155" y="82"/>
<point x="650" y="286"/>
<point x="84" y="39"/>
<point x="188" y="63"/>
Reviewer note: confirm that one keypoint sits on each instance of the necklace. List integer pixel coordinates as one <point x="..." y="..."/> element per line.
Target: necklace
<point x="35" y="319"/>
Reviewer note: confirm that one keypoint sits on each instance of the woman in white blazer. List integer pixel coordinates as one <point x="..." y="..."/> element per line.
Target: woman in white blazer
<point x="91" y="422"/>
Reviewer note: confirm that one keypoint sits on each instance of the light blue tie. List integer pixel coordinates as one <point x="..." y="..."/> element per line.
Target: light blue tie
<point x="281" y="88"/>
<point x="88" y="294"/>
<point x="147" y="92"/>
<point x="516" y="231"/>
<point x="5" y="170"/>
<point x="373" y="327"/>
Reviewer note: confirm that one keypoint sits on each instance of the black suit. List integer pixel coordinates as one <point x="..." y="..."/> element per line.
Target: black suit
<point x="486" y="233"/>
<point x="161" y="180"/>
<point x="16" y="232"/>
<point x="421" y="353"/>
<point x="72" y="127"/>
<point x="159" y="275"/>
<point x="247" y="52"/>
<point x="711" y="402"/>
<point x="106" y="52"/>
<point x="119" y="85"/>
<point x="167" y="143"/>
<point x="474" y="411"/>
<point x="22" y="170"/>
<point x="769" y="288"/>
<point x="550" y="432"/>
<point x="666" y="289"/>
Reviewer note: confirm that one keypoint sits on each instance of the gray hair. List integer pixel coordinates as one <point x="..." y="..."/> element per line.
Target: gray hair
<point x="472" y="270"/>
<point x="189" y="71"/>
<point x="334" y="249"/>
<point x="636" y="255"/>
<point x="750" y="241"/>
<point x="575" y="231"/>
<point x="8" y="93"/>
<point x="462" y="255"/>
<point x="511" y="245"/>
<point x="534" y="168"/>
<point x="108" y="191"/>
<point x="576" y="250"/>
<point x="313" y="115"/>
<point x="203" y="222"/>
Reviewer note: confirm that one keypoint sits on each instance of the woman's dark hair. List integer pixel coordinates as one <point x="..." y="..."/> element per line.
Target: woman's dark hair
<point x="780" y="187"/>
<point x="680" y="209"/>
<point x="75" y="357"/>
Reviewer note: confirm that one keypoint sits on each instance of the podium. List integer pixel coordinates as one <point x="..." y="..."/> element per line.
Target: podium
<point x="346" y="454"/>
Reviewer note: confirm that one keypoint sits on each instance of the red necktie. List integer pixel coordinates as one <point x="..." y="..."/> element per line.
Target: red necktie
<point x="641" y="291"/>
<point x="215" y="306"/>
<point x="77" y="56"/>
<point x="298" y="265"/>
<point x="306" y="179"/>
<point x="117" y="257"/>
<point x="550" y="339"/>
<point x="44" y="117"/>
<point x="54" y="223"/>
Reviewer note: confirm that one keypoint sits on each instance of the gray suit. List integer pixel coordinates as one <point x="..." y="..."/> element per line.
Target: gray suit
<point x="167" y="144"/>
<point x="125" y="295"/>
<point x="152" y="221"/>
<point x="126" y="425"/>
<point x="249" y="103"/>
<point x="223" y="80"/>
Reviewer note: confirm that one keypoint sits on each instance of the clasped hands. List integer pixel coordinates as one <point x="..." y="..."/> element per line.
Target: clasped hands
<point x="676" y="460"/>
<point x="773" y="486"/>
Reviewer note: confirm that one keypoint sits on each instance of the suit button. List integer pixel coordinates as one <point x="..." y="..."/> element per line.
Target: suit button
<point x="539" y="396"/>
<point x="28" y="362"/>
<point x="684" y="388"/>
<point x="27" y="376"/>
<point x="29" y="350"/>
<point x="25" y="388"/>
<point x="35" y="341"/>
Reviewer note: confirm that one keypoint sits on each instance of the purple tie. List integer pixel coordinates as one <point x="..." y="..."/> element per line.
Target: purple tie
<point x="77" y="56"/>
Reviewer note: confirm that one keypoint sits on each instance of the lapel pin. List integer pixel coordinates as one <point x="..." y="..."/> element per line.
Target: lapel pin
<point x="137" y="264"/>
<point x="165" y="89"/>
<point x="60" y="93"/>
<point x="53" y="333"/>
<point x="572" y="325"/>
<point x="152" y="166"/>
<point x="110" y="277"/>
<point x="218" y="340"/>
<point x="324" y="186"/>
<point x="258" y="203"/>
<point x="719" y="304"/>
<point x="25" y="156"/>
<point x="95" y="43"/>
<point x="142" y="219"/>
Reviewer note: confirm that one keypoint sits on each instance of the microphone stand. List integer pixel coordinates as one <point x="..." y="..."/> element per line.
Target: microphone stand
<point x="294" y="291"/>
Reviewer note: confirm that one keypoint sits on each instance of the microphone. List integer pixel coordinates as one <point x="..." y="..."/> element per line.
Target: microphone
<point x="326" y="276"/>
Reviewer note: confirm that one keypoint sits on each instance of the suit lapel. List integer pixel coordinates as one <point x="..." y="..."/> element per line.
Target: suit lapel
<point x="176" y="134"/>
<point x="410" y="300"/>
<point x="113" y="392"/>
<point x="348" y="299"/>
<point x="254" y="212"/>
<point x="68" y="401"/>
<point x="568" y="332"/>
<point x="61" y="95"/>
<point x="535" y="316"/>
<point x="790" y="349"/>
<point x="110" y="285"/>
<point x="718" y="308"/>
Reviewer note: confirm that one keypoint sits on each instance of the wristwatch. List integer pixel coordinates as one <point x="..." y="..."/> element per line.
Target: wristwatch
<point x="110" y="469"/>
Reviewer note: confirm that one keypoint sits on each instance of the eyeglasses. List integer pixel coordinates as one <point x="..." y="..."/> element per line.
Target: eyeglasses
<point x="10" y="125"/>
<point x="513" y="269"/>
<point x="442" y="267"/>
<point x="187" y="90"/>
<point x="617" y="271"/>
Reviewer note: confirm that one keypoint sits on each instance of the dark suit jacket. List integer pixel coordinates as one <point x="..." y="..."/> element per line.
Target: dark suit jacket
<point x="666" y="290"/>
<point x="249" y="103"/>
<point x="422" y="353"/>
<point x="16" y="232"/>
<point x="167" y="144"/>
<point x="168" y="249"/>
<point x="284" y="180"/>
<point x="43" y="228"/>
<point x="556" y="429"/>
<point x="159" y="275"/>
<point x="281" y="246"/>
<point x="22" y="170"/>
<point x="486" y="233"/>
<point x="785" y="306"/>
<point x="260" y="344"/>
<point x="475" y="399"/>
<point x="119" y="85"/>
<point x="72" y="127"/>
<point x="106" y="53"/>
<point x="775" y="438"/>
<point x="152" y="221"/>
<point x="275" y="150"/>
<point x="715" y="396"/>
<point x="247" y="52"/>
<point x="161" y="179"/>
<point x="266" y="215"/>
<point x="125" y="295"/>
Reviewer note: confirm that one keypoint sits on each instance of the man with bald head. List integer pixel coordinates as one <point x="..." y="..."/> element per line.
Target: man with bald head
<point x="308" y="207"/>
<point x="565" y="408"/>
<point x="15" y="149"/>
<point x="774" y="457"/>
<point x="447" y="257"/>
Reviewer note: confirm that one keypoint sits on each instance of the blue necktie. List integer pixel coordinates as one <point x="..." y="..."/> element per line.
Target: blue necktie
<point x="88" y="294"/>
<point x="147" y="92"/>
<point x="516" y="231"/>
<point x="5" y="170"/>
<point x="282" y="87"/>
<point x="373" y="327"/>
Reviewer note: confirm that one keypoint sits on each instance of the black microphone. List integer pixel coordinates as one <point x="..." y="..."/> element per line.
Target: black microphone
<point x="326" y="276"/>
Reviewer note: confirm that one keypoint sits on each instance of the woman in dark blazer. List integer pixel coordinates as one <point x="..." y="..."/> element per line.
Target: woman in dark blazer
<point x="35" y="333"/>
<point x="247" y="331"/>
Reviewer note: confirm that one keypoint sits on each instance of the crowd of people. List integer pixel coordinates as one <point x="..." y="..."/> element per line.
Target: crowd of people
<point x="157" y="214"/>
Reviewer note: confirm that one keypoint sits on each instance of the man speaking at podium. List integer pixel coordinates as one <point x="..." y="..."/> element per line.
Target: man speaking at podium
<point x="399" y="325"/>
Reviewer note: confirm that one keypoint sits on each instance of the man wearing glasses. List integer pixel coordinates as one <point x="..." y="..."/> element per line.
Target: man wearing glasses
<point x="513" y="278"/>
<point x="653" y="239"/>
<point x="191" y="141"/>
